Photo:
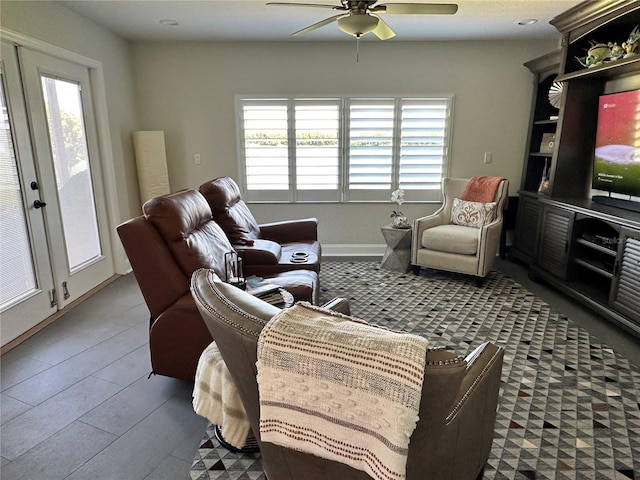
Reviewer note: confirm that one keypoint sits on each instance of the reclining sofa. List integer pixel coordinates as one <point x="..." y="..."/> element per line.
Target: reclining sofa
<point x="175" y="237"/>
<point x="266" y="248"/>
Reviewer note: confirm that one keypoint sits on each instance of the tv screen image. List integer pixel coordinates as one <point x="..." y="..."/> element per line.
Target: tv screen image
<point x="617" y="153"/>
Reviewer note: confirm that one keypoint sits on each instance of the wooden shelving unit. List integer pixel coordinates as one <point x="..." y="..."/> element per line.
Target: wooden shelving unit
<point x="617" y="67"/>
<point x="544" y="120"/>
<point x="589" y="251"/>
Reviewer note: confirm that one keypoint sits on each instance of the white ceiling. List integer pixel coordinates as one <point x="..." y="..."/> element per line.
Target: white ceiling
<point x="253" y="20"/>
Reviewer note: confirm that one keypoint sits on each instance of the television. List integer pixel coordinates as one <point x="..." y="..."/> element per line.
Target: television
<point x="616" y="163"/>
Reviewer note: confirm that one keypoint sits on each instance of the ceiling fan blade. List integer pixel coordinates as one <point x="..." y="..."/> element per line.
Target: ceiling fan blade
<point x="383" y="31"/>
<point x="315" y="26"/>
<point x="416" y="8"/>
<point x="319" y="5"/>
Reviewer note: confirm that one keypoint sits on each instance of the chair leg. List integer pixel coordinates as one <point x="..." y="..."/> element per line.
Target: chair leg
<point x="415" y="269"/>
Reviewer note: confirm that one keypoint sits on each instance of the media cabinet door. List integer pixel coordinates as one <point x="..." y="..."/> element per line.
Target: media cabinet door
<point x="527" y="226"/>
<point x="624" y="293"/>
<point x="553" y="252"/>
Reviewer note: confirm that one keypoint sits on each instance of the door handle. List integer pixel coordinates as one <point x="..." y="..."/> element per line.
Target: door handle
<point x="38" y="204"/>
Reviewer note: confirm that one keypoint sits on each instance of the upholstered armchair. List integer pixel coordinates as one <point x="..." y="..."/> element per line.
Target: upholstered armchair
<point x="175" y="237"/>
<point x="461" y="236"/>
<point x="266" y="248"/>
<point x="454" y="433"/>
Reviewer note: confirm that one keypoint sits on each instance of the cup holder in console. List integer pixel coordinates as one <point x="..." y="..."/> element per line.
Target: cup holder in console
<point x="299" y="257"/>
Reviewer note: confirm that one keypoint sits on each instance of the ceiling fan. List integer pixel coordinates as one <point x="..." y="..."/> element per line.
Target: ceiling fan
<point x="361" y="16"/>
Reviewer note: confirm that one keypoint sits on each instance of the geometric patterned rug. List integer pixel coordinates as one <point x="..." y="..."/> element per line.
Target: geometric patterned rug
<point x="569" y="405"/>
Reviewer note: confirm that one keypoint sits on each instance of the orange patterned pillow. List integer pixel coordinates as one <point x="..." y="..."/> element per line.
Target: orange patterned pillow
<point x="472" y="214"/>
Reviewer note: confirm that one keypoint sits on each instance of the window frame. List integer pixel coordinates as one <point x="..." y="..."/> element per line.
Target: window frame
<point x="343" y="192"/>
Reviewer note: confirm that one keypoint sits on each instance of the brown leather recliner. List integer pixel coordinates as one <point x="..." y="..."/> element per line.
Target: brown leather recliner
<point x="452" y="439"/>
<point x="274" y="244"/>
<point x="175" y="237"/>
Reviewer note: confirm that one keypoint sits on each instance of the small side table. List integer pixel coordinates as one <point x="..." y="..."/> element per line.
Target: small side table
<point x="397" y="257"/>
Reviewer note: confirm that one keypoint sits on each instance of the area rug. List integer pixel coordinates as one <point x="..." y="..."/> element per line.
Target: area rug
<point x="569" y="405"/>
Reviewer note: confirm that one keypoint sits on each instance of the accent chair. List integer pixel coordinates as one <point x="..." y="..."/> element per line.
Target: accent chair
<point x="460" y="236"/>
<point x="453" y="436"/>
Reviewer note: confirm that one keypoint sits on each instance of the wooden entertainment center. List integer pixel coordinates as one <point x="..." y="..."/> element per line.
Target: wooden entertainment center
<point x="587" y="250"/>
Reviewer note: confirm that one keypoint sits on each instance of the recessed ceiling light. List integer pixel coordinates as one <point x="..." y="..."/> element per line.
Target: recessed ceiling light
<point x="528" y="21"/>
<point x="169" y="23"/>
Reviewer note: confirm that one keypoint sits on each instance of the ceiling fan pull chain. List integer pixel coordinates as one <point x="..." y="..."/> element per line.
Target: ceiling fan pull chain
<point x="358" y="49"/>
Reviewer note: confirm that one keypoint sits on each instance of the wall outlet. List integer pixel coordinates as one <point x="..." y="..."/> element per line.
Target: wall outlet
<point x="487" y="157"/>
<point x="196" y="159"/>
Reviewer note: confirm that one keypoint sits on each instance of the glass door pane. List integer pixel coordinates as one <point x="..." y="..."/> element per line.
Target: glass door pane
<point x="26" y="278"/>
<point x="17" y="275"/>
<point x="65" y="140"/>
<point x="68" y="141"/>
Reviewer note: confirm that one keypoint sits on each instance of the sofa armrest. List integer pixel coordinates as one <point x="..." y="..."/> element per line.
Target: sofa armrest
<point x="159" y="276"/>
<point x="240" y="298"/>
<point x="290" y="231"/>
<point x="255" y="306"/>
<point x="338" y="304"/>
<point x="457" y="414"/>
<point x="489" y="241"/>
<point x="484" y="364"/>
<point x="439" y="356"/>
<point x="432" y="220"/>
<point x="177" y="338"/>
<point x="429" y="221"/>
<point x="262" y="252"/>
<point x="420" y="225"/>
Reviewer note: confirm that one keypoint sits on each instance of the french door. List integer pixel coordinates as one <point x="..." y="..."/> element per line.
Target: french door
<point x="54" y="242"/>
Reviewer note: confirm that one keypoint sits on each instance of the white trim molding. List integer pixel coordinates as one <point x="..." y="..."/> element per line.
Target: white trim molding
<point x="120" y="262"/>
<point x="353" y="250"/>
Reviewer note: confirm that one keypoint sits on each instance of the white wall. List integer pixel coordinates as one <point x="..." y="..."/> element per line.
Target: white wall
<point x="187" y="89"/>
<point x="57" y="25"/>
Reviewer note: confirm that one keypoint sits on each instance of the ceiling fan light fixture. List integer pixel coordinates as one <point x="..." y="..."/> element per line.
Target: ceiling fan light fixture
<point x="358" y="24"/>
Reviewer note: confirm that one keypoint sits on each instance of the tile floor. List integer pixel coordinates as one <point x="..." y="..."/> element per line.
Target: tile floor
<point x="76" y="403"/>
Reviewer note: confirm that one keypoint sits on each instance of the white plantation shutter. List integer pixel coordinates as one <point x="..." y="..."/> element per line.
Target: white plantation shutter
<point x="265" y="148"/>
<point x="317" y="159"/>
<point x="424" y="140"/>
<point x="371" y="126"/>
<point x="343" y="149"/>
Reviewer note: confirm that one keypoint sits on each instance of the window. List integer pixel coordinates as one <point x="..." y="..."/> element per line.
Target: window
<point x="343" y="149"/>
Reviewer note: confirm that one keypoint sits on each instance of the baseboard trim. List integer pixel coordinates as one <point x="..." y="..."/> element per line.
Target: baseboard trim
<point x="360" y="251"/>
<point x="52" y="318"/>
<point x="336" y="252"/>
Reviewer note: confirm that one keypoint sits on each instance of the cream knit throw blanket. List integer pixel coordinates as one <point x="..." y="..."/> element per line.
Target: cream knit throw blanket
<point x="216" y="398"/>
<point x="341" y="389"/>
